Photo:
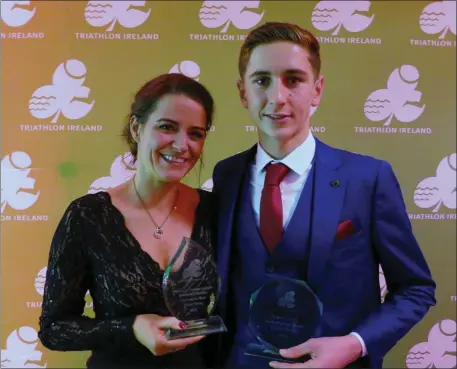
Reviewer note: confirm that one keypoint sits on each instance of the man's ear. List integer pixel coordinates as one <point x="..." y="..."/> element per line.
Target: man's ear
<point x="242" y="93"/>
<point x="318" y="90"/>
<point x="135" y="128"/>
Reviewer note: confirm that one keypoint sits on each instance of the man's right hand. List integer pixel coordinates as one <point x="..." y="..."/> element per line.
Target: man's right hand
<point x="149" y="330"/>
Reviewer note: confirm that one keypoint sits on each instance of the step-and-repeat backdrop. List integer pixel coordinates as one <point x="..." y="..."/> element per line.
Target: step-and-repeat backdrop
<point x="69" y="72"/>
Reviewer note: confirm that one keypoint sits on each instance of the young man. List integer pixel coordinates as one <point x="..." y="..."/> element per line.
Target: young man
<point x="292" y="206"/>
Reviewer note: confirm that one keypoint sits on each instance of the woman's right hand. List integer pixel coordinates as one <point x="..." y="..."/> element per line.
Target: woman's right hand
<point x="149" y="330"/>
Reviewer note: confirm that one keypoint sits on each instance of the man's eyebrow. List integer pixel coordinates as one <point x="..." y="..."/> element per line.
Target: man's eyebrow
<point x="259" y="73"/>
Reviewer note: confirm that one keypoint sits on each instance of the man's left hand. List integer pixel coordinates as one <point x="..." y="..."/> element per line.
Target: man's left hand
<point x="325" y="352"/>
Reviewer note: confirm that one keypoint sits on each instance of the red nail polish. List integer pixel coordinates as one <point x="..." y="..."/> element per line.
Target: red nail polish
<point x="182" y="325"/>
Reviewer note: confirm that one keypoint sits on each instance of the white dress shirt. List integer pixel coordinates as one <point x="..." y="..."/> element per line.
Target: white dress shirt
<point x="299" y="162"/>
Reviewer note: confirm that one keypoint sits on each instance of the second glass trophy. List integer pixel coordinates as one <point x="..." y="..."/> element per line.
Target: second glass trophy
<point x="283" y="313"/>
<point x="191" y="286"/>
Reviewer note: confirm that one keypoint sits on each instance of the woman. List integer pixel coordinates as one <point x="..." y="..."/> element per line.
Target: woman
<point x="116" y="244"/>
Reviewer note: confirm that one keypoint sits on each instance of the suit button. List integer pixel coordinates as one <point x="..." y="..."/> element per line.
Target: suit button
<point x="271" y="269"/>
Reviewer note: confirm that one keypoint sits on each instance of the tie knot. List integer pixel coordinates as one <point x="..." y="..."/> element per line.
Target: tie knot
<point x="275" y="174"/>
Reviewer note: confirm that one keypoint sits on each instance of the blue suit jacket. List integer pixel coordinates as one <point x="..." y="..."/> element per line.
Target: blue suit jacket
<point x="345" y="273"/>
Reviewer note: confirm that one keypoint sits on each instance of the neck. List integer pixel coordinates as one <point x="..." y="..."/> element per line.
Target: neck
<point x="154" y="193"/>
<point x="279" y="148"/>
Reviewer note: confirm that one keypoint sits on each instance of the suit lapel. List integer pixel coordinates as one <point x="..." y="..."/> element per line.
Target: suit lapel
<point x="229" y="194"/>
<point x="329" y="191"/>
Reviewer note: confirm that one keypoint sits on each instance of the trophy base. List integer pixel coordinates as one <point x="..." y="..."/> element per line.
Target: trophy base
<point x="257" y="350"/>
<point x="203" y="327"/>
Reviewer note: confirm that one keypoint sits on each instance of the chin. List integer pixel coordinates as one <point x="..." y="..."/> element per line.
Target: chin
<point x="280" y="132"/>
<point x="172" y="175"/>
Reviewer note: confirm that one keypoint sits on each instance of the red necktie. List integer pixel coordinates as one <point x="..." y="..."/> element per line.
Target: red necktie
<point x="271" y="218"/>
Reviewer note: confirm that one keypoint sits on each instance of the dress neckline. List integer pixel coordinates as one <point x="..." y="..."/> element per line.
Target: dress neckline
<point x="194" y="234"/>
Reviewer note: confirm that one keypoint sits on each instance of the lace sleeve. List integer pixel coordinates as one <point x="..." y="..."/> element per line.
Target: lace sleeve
<point x="62" y="324"/>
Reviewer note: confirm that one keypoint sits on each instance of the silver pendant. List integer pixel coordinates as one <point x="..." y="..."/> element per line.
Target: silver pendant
<point x="158" y="233"/>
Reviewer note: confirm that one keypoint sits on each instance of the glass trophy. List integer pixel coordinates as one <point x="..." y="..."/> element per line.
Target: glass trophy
<point x="191" y="286"/>
<point x="283" y="313"/>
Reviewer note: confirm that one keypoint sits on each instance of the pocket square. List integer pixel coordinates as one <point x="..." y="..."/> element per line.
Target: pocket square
<point x="345" y="229"/>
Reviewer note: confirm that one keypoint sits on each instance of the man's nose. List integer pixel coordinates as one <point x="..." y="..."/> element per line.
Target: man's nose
<point x="277" y="92"/>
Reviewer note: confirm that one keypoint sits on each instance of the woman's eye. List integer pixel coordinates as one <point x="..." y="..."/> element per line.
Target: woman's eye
<point x="196" y="135"/>
<point x="166" y="127"/>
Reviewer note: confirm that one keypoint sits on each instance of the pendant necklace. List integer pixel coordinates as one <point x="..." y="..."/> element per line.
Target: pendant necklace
<point x="158" y="233"/>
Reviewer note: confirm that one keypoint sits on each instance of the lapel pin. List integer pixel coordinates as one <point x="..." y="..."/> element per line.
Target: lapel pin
<point x="335" y="183"/>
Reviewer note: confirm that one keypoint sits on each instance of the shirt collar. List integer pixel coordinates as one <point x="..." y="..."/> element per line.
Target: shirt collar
<point x="298" y="160"/>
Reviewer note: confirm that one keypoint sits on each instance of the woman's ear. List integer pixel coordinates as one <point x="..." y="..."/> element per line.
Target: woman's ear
<point x="135" y="128"/>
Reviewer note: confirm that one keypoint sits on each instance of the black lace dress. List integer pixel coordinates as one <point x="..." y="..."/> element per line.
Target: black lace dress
<point x="93" y="250"/>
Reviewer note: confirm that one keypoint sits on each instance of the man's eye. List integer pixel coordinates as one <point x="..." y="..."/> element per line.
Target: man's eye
<point x="293" y="80"/>
<point x="261" y="81"/>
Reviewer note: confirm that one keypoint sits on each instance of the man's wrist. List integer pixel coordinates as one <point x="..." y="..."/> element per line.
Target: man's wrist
<point x="361" y="343"/>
